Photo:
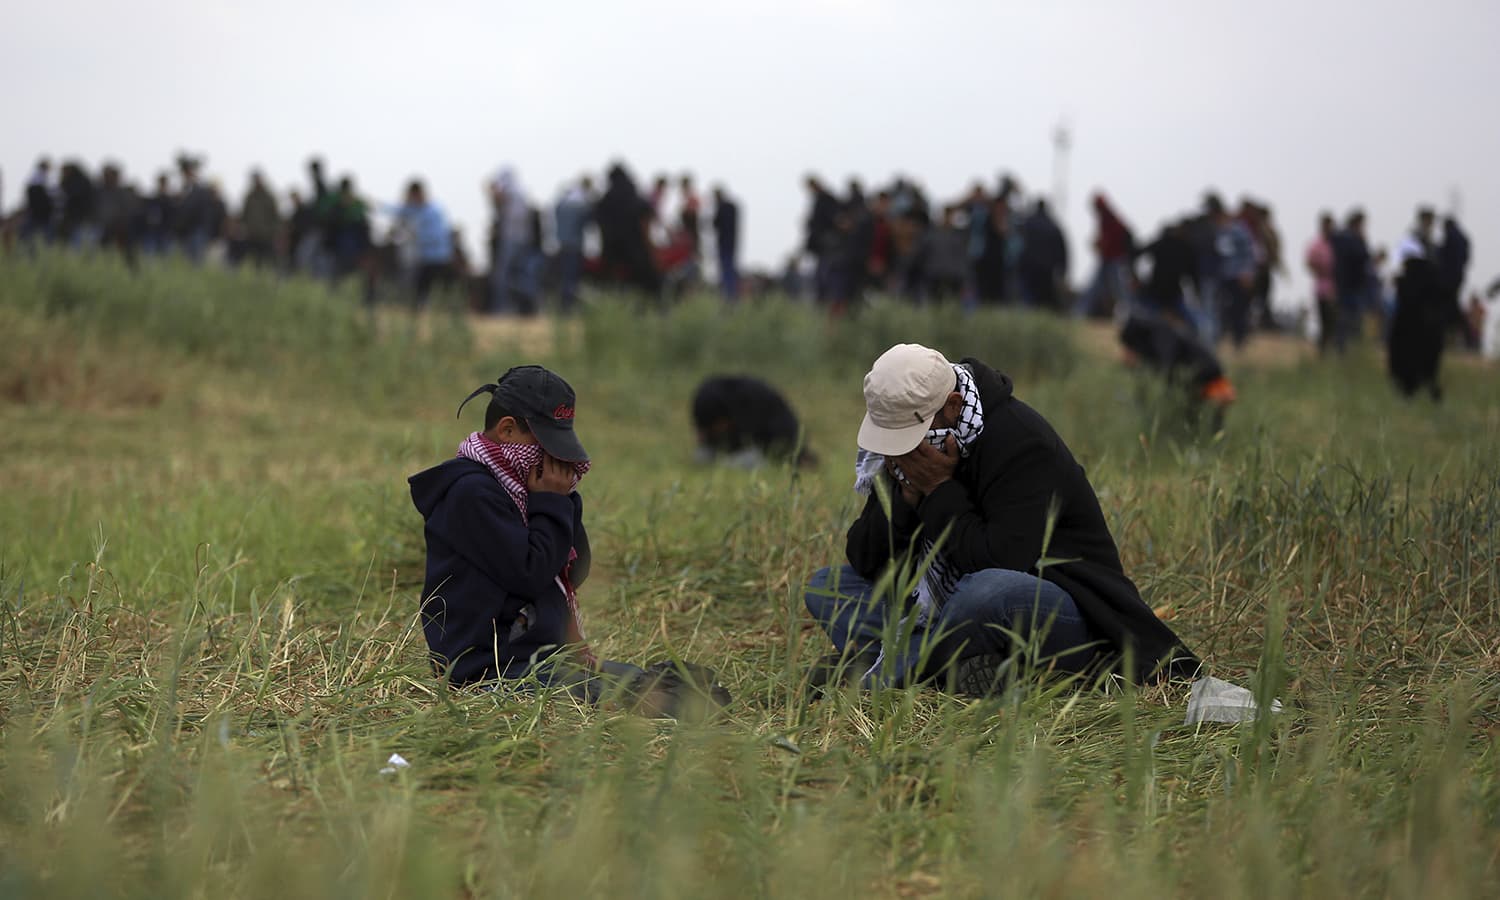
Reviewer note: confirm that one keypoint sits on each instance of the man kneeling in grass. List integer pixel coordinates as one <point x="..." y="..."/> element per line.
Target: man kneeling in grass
<point x="1023" y="572"/>
<point x="507" y="550"/>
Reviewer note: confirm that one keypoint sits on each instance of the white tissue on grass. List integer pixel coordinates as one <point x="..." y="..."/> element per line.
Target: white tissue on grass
<point x="1216" y="700"/>
<point x="397" y="761"/>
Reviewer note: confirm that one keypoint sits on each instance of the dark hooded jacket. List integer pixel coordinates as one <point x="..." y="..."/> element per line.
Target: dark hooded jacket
<point x="485" y="566"/>
<point x="1172" y="350"/>
<point x="997" y="506"/>
<point x="737" y="412"/>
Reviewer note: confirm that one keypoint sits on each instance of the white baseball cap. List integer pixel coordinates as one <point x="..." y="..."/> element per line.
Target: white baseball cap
<point x="904" y="390"/>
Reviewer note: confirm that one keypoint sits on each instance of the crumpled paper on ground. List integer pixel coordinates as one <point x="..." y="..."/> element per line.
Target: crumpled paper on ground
<point x="1216" y="700"/>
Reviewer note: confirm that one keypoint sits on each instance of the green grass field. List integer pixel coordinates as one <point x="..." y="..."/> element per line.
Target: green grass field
<point x="210" y="567"/>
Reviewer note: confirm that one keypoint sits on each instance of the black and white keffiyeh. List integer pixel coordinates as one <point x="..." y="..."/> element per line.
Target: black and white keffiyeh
<point x="940" y="579"/>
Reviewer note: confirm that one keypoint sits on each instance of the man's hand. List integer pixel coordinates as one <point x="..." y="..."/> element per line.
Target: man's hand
<point x="908" y="493"/>
<point x="552" y="476"/>
<point x="926" y="467"/>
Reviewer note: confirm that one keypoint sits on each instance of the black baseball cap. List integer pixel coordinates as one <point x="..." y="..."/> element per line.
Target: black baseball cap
<point x="545" y="401"/>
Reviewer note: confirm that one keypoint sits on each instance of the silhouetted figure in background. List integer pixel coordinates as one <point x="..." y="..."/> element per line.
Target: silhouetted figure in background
<point x="348" y="223"/>
<point x="1044" y="259"/>
<point x="688" y="216"/>
<point x="570" y="220"/>
<point x="1320" y="262"/>
<point x="624" y="219"/>
<point x="312" y="252"/>
<point x="76" y="223"/>
<point x="158" y="217"/>
<point x="1352" y="270"/>
<point x="117" y="210"/>
<point x="878" y="261"/>
<point x="1169" y="348"/>
<point x="1417" y="328"/>
<point x="431" y="240"/>
<point x="822" y="240"/>
<point x="1174" y="264"/>
<point x="260" y="223"/>
<point x="1423" y="315"/>
<point x="1257" y="217"/>
<point x="727" y="242"/>
<point x="1235" y="279"/>
<point x="992" y="263"/>
<point x="195" y="211"/>
<point x="510" y="239"/>
<point x="910" y="223"/>
<point x="1453" y="266"/>
<point x="41" y="207"/>
<point x="744" y="421"/>
<point x="947" y="261"/>
<point x="851" y="264"/>
<point x="1113" y="244"/>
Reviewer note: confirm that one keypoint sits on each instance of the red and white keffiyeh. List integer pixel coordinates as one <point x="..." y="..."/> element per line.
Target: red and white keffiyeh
<point x="511" y="464"/>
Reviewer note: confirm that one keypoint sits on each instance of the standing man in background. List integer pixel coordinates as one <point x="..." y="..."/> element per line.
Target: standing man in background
<point x="727" y="241"/>
<point x="260" y="221"/>
<point x="40" y="207"/>
<point x="1234" y="247"/>
<point x="512" y="235"/>
<point x="431" y="239"/>
<point x="570" y="220"/>
<point x="1320" y="265"/>
<point x="1352" y="268"/>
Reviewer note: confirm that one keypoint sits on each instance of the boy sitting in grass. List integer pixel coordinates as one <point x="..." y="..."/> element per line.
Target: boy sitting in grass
<point x="507" y="551"/>
<point x="506" y="546"/>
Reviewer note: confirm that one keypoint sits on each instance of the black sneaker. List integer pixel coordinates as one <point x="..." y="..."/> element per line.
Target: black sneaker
<point x="984" y="675"/>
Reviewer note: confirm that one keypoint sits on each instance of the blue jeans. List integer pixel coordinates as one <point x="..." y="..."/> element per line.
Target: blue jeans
<point x="729" y="276"/>
<point x="569" y="273"/>
<point x="503" y="277"/>
<point x="1234" y="307"/>
<point x="1350" y="323"/>
<point x="1111" y="279"/>
<point x="1205" y="311"/>
<point x="992" y="611"/>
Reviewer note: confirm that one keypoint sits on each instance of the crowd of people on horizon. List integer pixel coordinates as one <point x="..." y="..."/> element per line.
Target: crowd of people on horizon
<point x="623" y="235"/>
<point x="1212" y="269"/>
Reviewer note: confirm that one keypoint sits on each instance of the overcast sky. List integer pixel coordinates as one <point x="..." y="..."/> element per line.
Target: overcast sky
<point x="1306" y="103"/>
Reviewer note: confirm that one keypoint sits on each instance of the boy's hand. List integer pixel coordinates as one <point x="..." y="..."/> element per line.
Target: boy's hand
<point x="586" y="658"/>
<point x="552" y="476"/>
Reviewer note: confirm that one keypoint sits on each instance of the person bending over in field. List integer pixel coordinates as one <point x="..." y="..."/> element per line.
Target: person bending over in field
<point x="744" y="421"/>
<point x="507" y="551"/>
<point x="1166" y="346"/>
<point x="1024" y="573"/>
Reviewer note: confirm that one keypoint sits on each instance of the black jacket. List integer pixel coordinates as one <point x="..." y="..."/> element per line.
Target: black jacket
<point x="484" y="566"/>
<point x="1172" y="350"/>
<point x="997" y="504"/>
<point x="1173" y="262"/>
<point x="737" y="412"/>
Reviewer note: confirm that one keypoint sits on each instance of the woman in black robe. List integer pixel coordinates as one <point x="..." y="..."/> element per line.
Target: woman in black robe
<point x="623" y="217"/>
<point x="1418" y="328"/>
